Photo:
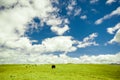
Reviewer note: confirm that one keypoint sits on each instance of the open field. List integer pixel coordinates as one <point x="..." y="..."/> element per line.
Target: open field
<point x="62" y="72"/>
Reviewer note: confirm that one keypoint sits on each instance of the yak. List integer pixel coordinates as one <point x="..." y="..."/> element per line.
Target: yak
<point x="53" y="66"/>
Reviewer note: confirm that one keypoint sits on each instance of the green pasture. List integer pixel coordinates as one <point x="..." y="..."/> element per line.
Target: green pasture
<point x="61" y="72"/>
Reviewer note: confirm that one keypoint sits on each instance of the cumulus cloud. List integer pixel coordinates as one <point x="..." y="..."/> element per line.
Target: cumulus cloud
<point x="88" y="41"/>
<point x="72" y="9"/>
<point x="59" y="30"/>
<point x="7" y="4"/>
<point x="22" y="51"/>
<point x="116" y="38"/>
<point x="62" y="58"/>
<point x="15" y="47"/>
<point x="14" y="20"/>
<point x="17" y="17"/>
<point x="94" y="10"/>
<point x="56" y="44"/>
<point x="71" y="6"/>
<point x="108" y="58"/>
<point x="77" y="12"/>
<point x="113" y="13"/>
<point x="111" y="30"/>
<point x="93" y="1"/>
<point x="110" y="1"/>
<point x="83" y="17"/>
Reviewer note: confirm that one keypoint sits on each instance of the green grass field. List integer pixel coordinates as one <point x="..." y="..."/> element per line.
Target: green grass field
<point x="62" y="72"/>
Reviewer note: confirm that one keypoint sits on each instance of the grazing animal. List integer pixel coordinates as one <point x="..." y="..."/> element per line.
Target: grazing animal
<point x="53" y="66"/>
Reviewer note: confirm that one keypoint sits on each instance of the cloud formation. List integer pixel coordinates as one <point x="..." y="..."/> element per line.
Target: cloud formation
<point x="60" y="31"/>
<point x="108" y="16"/>
<point x="83" y="17"/>
<point x="19" y="15"/>
<point x="93" y="1"/>
<point x="22" y="51"/>
<point x="108" y="58"/>
<point x="88" y="41"/>
<point x="15" y="15"/>
<point x="16" y="47"/>
<point x="72" y="8"/>
<point x="62" y="58"/>
<point x="110" y="1"/>
<point x="111" y="30"/>
<point x="116" y="38"/>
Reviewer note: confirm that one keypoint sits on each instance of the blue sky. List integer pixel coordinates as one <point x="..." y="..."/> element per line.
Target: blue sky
<point x="80" y="28"/>
<point x="59" y="31"/>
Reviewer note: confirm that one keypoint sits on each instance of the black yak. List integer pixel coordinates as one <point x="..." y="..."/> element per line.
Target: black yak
<point x="53" y="66"/>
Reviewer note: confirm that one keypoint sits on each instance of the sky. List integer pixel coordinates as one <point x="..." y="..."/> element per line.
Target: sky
<point x="59" y="31"/>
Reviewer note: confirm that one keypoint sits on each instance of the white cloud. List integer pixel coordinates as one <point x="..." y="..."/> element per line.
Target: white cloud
<point x="33" y="53"/>
<point x="93" y="1"/>
<point x="111" y="30"/>
<point x="108" y="58"/>
<point x="10" y="57"/>
<point x="54" y="22"/>
<point x="22" y="51"/>
<point x="116" y="38"/>
<point x="13" y="25"/>
<point x="77" y="12"/>
<point x="13" y="21"/>
<point x="60" y="31"/>
<point x="7" y="3"/>
<point x="24" y="11"/>
<point x="71" y="5"/>
<point x="66" y="21"/>
<point x="113" y="13"/>
<point x="88" y="41"/>
<point x="72" y="9"/>
<point x="110" y="1"/>
<point x="56" y="44"/>
<point x="94" y="10"/>
<point x="15" y="47"/>
<point x="83" y="17"/>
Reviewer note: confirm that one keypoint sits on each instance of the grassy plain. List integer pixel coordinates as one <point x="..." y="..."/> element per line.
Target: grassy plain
<point x="62" y="72"/>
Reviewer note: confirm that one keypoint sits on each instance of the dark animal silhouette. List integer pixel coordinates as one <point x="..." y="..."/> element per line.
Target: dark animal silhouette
<point x="53" y="66"/>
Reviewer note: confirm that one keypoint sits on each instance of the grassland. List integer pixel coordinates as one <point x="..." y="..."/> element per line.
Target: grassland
<point x="62" y="72"/>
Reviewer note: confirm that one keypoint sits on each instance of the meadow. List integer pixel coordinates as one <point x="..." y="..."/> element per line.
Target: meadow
<point x="61" y="72"/>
